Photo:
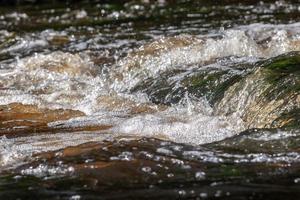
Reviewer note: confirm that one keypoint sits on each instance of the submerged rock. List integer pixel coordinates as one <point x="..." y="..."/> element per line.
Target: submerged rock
<point x="270" y="141"/>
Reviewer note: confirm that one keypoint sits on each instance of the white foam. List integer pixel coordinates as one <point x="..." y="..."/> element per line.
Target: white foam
<point x="245" y="41"/>
<point x="56" y="80"/>
<point x="183" y="123"/>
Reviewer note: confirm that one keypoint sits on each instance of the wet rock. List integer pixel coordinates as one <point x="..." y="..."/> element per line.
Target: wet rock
<point x="138" y="169"/>
<point x="103" y="166"/>
<point x="59" y="40"/>
<point x="209" y="82"/>
<point x="265" y="95"/>
<point x="16" y="118"/>
<point x="269" y="141"/>
<point x="268" y="97"/>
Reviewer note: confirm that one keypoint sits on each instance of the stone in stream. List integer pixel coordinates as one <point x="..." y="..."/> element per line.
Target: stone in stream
<point x="269" y="97"/>
<point x="17" y="118"/>
<point x="207" y="82"/>
<point x="257" y="141"/>
<point x="264" y="95"/>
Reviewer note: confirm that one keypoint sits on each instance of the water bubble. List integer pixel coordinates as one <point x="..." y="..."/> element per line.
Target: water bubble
<point x="124" y="156"/>
<point x="203" y="195"/>
<point x="81" y="14"/>
<point x="164" y="151"/>
<point x="75" y="197"/>
<point x="89" y="160"/>
<point x="17" y="177"/>
<point x="182" y="192"/>
<point x="71" y="169"/>
<point x="200" y="175"/>
<point x="146" y="169"/>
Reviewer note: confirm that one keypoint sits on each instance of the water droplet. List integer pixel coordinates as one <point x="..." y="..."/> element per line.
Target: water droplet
<point x="75" y="197"/>
<point x="203" y="195"/>
<point x="200" y="175"/>
<point x="146" y="169"/>
<point x="182" y="192"/>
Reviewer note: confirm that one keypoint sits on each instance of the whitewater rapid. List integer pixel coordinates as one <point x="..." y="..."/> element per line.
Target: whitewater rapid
<point x="63" y="80"/>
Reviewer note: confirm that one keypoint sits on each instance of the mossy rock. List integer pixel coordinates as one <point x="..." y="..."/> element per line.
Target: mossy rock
<point x="284" y="73"/>
<point x="283" y="65"/>
<point x="172" y="86"/>
<point x="210" y="84"/>
<point x="290" y="120"/>
<point x="269" y="97"/>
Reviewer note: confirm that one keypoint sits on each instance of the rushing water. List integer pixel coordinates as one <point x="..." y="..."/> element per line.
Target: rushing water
<point x="143" y="100"/>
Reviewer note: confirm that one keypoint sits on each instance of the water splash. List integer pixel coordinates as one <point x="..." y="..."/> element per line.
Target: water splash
<point x="73" y="81"/>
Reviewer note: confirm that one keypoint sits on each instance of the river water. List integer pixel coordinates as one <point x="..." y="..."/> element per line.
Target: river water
<point x="143" y="100"/>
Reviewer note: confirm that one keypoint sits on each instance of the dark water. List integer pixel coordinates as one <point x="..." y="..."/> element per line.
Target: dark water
<point x="150" y="99"/>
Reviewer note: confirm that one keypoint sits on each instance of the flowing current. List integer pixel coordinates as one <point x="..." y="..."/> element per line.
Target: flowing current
<point x="103" y="75"/>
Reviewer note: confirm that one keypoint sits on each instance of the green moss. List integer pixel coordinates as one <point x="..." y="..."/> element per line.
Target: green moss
<point x="285" y="63"/>
<point x="283" y="75"/>
<point x="212" y="85"/>
<point x="203" y="80"/>
<point x="292" y="118"/>
<point x="282" y="66"/>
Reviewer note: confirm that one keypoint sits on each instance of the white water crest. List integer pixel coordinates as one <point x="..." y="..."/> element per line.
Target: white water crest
<point x="72" y="81"/>
<point x="180" y="52"/>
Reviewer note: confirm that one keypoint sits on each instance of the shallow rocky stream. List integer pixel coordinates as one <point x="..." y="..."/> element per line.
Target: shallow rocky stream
<point x="147" y="99"/>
